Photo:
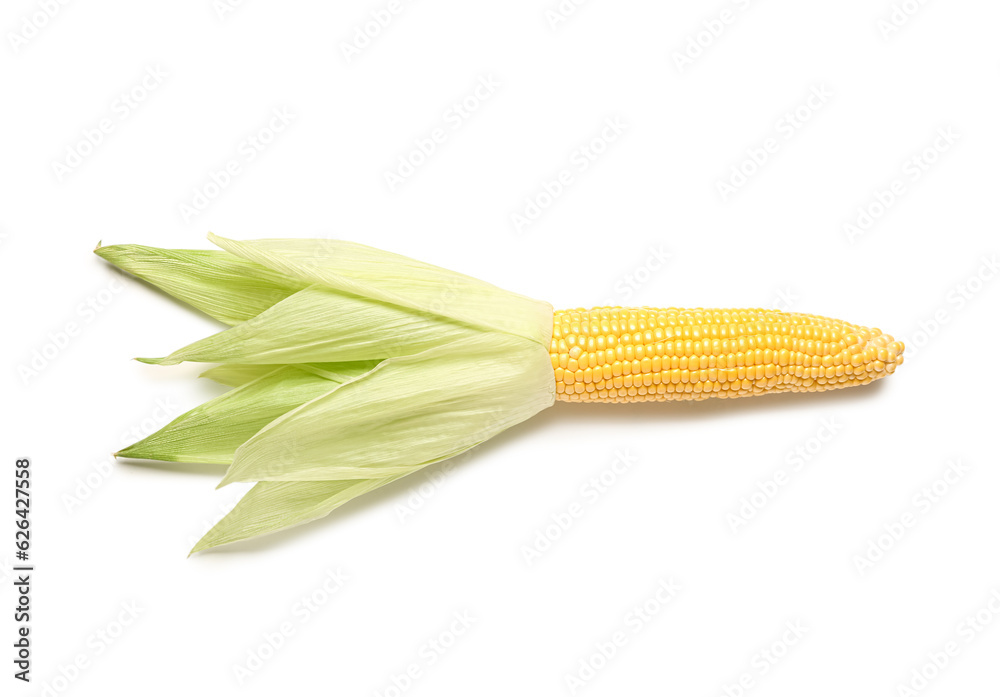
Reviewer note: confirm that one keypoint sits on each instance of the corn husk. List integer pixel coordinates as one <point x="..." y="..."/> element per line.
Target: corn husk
<point x="350" y="368"/>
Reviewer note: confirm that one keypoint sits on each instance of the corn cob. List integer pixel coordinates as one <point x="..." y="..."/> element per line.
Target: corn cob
<point x="351" y="367"/>
<point x="616" y="354"/>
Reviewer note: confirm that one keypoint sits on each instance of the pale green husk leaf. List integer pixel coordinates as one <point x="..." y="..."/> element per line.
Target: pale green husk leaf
<point x="393" y="278"/>
<point x="211" y="433"/>
<point x="272" y="506"/>
<point x="222" y="285"/>
<point x="236" y="374"/>
<point x="406" y="413"/>
<point x="321" y="325"/>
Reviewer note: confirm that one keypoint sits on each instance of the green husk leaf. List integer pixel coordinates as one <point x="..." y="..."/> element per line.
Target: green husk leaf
<point x="407" y="412"/>
<point x="272" y="506"/>
<point x="393" y="278"/>
<point x="211" y="433"/>
<point x="222" y="285"/>
<point x="321" y="325"/>
<point x="236" y="374"/>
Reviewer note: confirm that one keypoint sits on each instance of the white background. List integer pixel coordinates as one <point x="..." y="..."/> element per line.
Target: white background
<point x="916" y="270"/>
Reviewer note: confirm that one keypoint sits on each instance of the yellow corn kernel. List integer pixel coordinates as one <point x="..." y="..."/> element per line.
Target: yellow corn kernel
<point x="621" y="354"/>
